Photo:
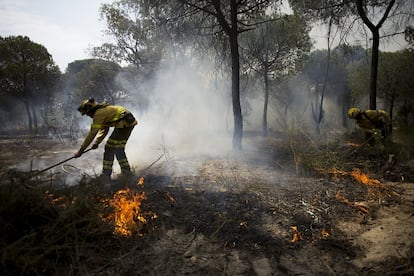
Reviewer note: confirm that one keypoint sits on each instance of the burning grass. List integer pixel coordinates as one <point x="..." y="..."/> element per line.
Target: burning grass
<point x="125" y="212"/>
<point x="62" y="231"/>
<point x="229" y="218"/>
<point x="355" y="161"/>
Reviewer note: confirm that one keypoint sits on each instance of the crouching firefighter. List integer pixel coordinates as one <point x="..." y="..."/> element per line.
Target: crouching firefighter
<point x="105" y="116"/>
<point x="376" y="122"/>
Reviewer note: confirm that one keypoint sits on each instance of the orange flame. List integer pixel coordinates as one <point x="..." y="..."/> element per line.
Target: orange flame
<point x="357" y="175"/>
<point x="128" y="216"/>
<point x="354" y="204"/>
<point x="352" y="145"/>
<point x="140" y="181"/>
<point x="364" y="178"/>
<point x="60" y="201"/>
<point x="296" y="234"/>
<point x="127" y="205"/>
<point x="325" y="233"/>
<point x="170" y="198"/>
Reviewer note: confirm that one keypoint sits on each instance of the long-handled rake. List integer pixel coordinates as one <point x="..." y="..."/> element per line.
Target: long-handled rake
<point x="57" y="164"/>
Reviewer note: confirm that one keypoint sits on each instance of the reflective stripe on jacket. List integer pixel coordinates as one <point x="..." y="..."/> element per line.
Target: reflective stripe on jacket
<point x="374" y="119"/>
<point x="104" y="118"/>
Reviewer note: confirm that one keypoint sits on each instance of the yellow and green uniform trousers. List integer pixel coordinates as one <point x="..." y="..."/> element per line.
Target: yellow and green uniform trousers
<point x="115" y="147"/>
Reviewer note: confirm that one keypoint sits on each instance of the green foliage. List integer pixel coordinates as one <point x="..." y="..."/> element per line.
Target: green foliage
<point x="358" y="81"/>
<point x="409" y="35"/>
<point x="394" y="79"/>
<point x="395" y="75"/>
<point x="369" y="15"/>
<point x="93" y="78"/>
<point x="139" y="39"/>
<point x="395" y="83"/>
<point x="323" y="10"/>
<point x="28" y="74"/>
<point x="26" y="68"/>
<point x="405" y="115"/>
<point x="342" y="63"/>
<point x="277" y="48"/>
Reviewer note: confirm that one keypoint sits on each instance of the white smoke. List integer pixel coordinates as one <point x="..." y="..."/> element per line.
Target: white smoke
<point x="188" y="115"/>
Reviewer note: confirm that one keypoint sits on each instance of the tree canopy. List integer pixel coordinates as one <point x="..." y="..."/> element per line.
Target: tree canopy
<point x="93" y="78"/>
<point x="275" y="50"/>
<point x="373" y="14"/>
<point x="247" y="40"/>
<point x="27" y="73"/>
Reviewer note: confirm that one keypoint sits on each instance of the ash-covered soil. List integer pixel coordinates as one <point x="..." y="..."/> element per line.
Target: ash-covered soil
<point x="259" y="212"/>
<point x="236" y="219"/>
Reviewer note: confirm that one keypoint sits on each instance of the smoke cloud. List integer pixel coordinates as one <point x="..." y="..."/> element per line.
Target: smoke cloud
<point x="185" y="116"/>
<point x="188" y="115"/>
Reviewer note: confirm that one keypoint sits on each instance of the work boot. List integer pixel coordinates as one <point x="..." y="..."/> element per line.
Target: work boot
<point x="127" y="178"/>
<point x="105" y="180"/>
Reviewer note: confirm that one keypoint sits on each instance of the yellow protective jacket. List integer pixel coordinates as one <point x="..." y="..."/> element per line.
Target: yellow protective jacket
<point x="105" y="117"/>
<point x="371" y="120"/>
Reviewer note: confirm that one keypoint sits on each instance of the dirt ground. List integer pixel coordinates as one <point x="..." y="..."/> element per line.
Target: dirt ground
<point x="261" y="213"/>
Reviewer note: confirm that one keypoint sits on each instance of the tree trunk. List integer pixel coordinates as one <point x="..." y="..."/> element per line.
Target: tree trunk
<point x="391" y="108"/>
<point x="29" y="116"/>
<point x="235" y="92"/>
<point x="346" y="101"/>
<point x="34" y="116"/>
<point x="374" y="70"/>
<point x="235" y="79"/>
<point x="266" y="103"/>
<point x="375" y="48"/>
<point x="232" y="32"/>
<point x="328" y="63"/>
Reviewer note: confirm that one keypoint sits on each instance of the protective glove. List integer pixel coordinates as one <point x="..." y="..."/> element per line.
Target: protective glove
<point x="94" y="146"/>
<point x="78" y="154"/>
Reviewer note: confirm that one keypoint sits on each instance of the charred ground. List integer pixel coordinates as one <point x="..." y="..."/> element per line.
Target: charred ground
<point x="232" y="215"/>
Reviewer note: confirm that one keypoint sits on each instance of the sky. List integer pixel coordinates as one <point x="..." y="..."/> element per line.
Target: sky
<point x="68" y="28"/>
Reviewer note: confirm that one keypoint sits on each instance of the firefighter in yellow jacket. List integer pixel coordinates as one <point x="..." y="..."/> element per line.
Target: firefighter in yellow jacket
<point x="105" y="116"/>
<point x="372" y="121"/>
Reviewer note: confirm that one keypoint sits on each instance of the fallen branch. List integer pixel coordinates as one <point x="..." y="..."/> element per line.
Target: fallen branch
<point x="363" y="144"/>
<point x="357" y="205"/>
<point x="152" y="164"/>
<point x="218" y="229"/>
